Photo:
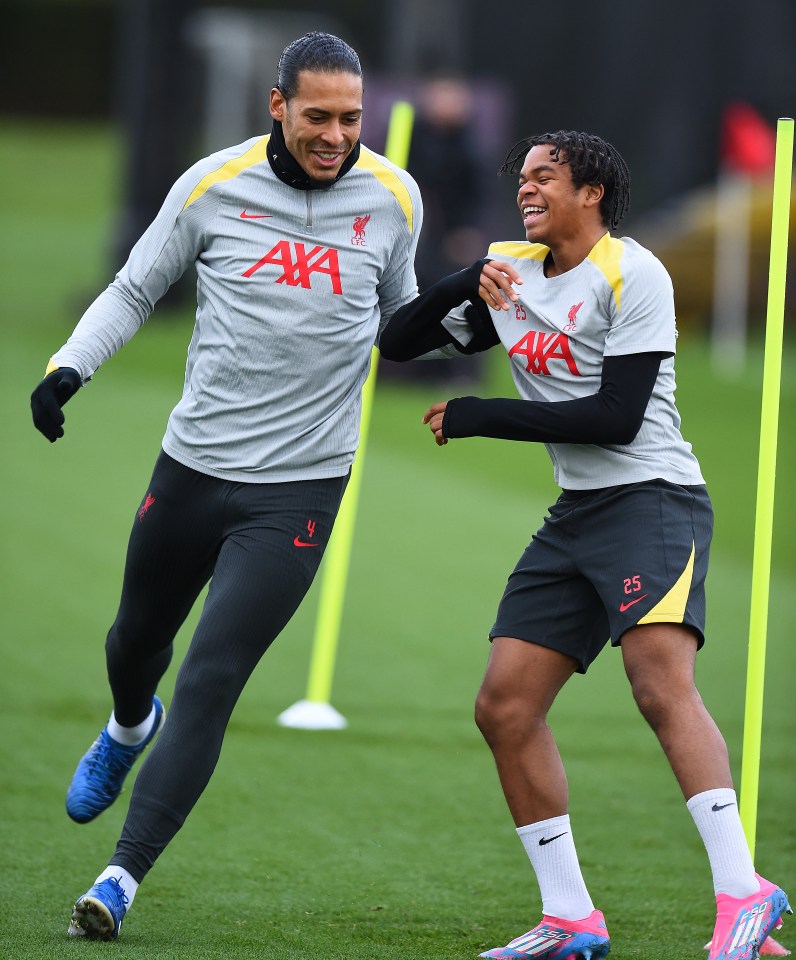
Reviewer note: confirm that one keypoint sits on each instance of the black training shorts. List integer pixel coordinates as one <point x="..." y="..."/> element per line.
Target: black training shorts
<point x="607" y="560"/>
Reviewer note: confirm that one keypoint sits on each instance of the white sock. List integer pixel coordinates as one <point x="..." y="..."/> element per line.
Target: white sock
<point x="127" y="883"/>
<point x="716" y="816"/>
<point x="551" y="850"/>
<point x="131" y="736"/>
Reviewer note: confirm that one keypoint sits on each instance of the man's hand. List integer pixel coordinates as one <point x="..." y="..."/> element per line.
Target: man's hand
<point x="49" y="397"/>
<point x="433" y="417"/>
<point x="495" y="284"/>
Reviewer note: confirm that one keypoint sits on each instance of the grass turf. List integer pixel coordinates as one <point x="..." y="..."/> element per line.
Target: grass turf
<point x="389" y="839"/>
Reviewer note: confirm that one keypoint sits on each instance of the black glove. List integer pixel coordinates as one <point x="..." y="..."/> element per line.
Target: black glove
<point x="48" y="398"/>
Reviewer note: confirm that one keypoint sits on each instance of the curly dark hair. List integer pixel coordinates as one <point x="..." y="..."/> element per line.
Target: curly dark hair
<point x="319" y="53"/>
<point x="591" y="160"/>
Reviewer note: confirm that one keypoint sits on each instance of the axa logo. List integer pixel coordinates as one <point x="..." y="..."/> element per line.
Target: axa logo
<point x="540" y="349"/>
<point x="148" y="501"/>
<point x="358" y="240"/>
<point x="298" y="264"/>
<point x="571" y="315"/>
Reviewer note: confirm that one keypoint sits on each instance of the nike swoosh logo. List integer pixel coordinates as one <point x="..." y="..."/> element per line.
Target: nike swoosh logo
<point x="255" y="216"/>
<point x="297" y="542"/>
<point x="716" y="807"/>
<point x="629" y="603"/>
<point x="544" y="840"/>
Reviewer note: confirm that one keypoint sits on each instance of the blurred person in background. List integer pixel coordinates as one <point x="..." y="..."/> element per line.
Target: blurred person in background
<point x="445" y="160"/>
<point x="304" y="243"/>
<point x="155" y="78"/>
<point x="588" y="323"/>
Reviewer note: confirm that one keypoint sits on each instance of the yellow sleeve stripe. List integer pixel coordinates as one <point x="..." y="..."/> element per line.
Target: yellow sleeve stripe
<point x="606" y="255"/>
<point x="671" y="609"/>
<point x="50" y="368"/>
<point x="522" y="250"/>
<point x="230" y="169"/>
<point x="368" y="161"/>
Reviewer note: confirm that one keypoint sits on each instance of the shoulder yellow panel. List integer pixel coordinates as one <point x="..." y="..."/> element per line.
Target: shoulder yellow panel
<point x="230" y="169"/>
<point x="606" y="255"/>
<point x="369" y="161"/>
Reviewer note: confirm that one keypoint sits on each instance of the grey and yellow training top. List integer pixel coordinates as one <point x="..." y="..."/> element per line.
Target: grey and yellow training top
<point x="293" y="288"/>
<point x="617" y="302"/>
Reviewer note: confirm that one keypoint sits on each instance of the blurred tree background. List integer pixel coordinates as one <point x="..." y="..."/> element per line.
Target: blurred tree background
<point x="184" y="77"/>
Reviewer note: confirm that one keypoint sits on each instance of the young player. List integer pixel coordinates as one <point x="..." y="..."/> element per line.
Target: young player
<point x="588" y="323"/>
<point x="304" y="243"/>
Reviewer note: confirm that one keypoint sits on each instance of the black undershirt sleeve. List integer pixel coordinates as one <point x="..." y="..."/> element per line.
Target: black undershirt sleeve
<point x="613" y="415"/>
<point x="416" y="327"/>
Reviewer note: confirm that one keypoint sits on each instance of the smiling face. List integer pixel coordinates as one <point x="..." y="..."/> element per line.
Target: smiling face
<point x="554" y="211"/>
<point x="322" y="121"/>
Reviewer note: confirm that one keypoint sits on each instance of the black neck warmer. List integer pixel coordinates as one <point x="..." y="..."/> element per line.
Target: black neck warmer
<point x="290" y="171"/>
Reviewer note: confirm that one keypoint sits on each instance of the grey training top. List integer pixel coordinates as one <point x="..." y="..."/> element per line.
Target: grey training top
<point x="617" y="301"/>
<point x="293" y="289"/>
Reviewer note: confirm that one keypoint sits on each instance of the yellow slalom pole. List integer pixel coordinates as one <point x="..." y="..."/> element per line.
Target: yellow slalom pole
<point x="764" y="516"/>
<point x="338" y="562"/>
<point x="316" y="712"/>
<point x="399" y="133"/>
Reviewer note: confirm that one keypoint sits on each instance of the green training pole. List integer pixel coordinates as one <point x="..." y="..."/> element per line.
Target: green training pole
<point x="316" y="712"/>
<point x="764" y="516"/>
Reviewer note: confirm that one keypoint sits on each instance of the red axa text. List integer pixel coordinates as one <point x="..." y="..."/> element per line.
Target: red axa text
<point x="298" y="264"/>
<point x="540" y="348"/>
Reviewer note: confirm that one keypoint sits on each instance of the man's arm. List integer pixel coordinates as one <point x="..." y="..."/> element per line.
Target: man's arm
<point x="166" y="249"/>
<point x="613" y="415"/>
<point x="417" y="327"/>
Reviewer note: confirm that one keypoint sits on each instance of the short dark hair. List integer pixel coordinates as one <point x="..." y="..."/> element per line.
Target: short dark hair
<point x="319" y="53"/>
<point x="591" y="159"/>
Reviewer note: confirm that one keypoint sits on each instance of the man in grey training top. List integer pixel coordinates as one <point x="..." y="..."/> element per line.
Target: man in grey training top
<point x="304" y="243"/>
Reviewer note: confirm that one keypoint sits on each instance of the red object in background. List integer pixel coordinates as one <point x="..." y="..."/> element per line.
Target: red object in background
<point x="748" y="142"/>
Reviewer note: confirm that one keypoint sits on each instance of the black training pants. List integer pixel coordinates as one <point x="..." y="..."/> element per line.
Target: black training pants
<point x="260" y="546"/>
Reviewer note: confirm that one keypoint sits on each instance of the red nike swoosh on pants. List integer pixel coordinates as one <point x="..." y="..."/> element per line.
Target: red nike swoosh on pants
<point x="629" y="604"/>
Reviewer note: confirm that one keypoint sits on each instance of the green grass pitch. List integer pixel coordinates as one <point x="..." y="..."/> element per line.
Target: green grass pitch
<point x="389" y="840"/>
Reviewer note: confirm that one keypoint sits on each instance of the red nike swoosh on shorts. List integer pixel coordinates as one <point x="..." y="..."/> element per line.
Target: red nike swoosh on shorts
<point x="255" y="216"/>
<point x="301" y="543"/>
<point x="629" y="604"/>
